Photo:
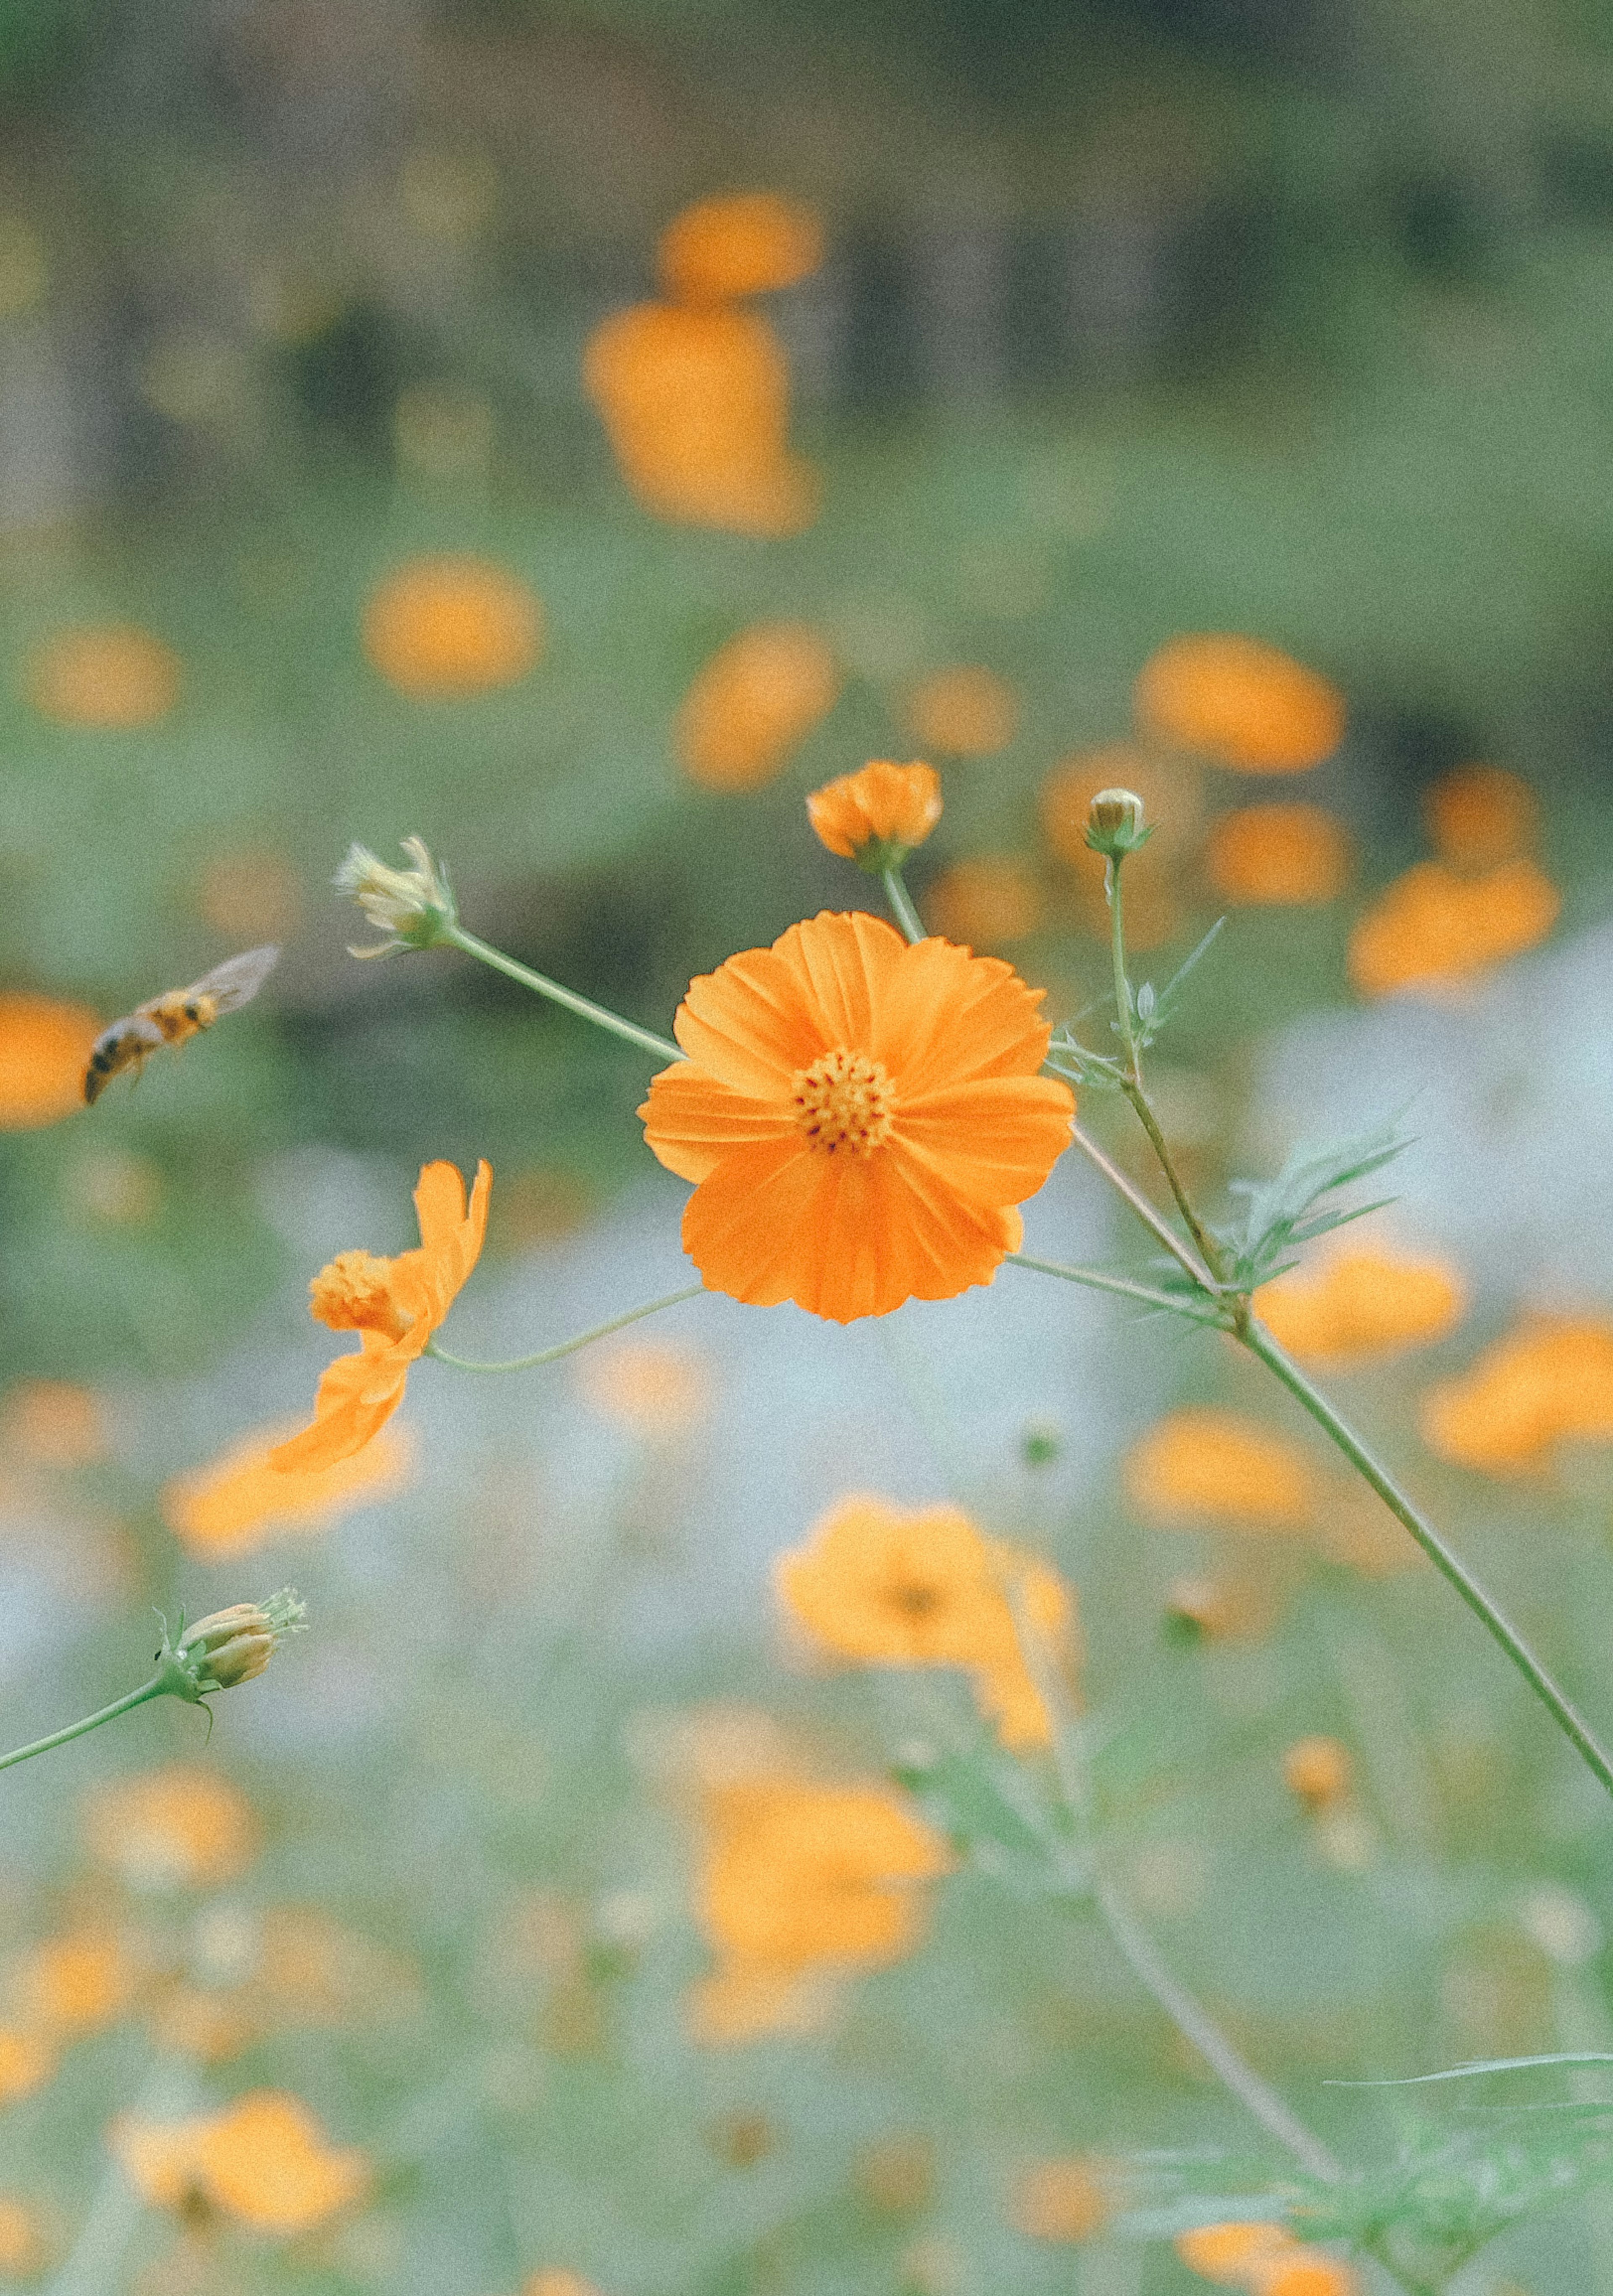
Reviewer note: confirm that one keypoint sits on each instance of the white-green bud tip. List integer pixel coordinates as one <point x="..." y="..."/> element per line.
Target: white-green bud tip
<point x="231" y="1646"/>
<point x="412" y="907"/>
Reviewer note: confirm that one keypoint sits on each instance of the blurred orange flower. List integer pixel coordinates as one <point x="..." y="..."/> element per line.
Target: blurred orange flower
<point x="966" y="712"/>
<point x="1318" y="1772"/>
<point x="45" y="1047"/>
<point x="921" y="1587"/>
<point x="980" y="903"/>
<point x="1245" y="704"/>
<point x="754" y="703"/>
<point x="112" y="676"/>
<point x="1350" y="1305"/>
<point x="557" y="2279"/>
<point x="1278" y="855"/>
<point x="52" y="1423"/>
<point x="742" y="2001"/>
<point x="654" y="1388"/>
<point x="438" y="627"/>
<point x="264" y="2160"/>
<point x="72" y="1985"/>
<point x="1302" y="2273"/>
<point x="1550" y="1381"/>
<point x="1435" y="926"/>
<point x="240" y="1501"/>
<point x="179" y="1827"/>
<point x="883" y="804"/>
<point x="1064" y="2200"/>
<point x="696" y="405"/>
<point x="1227" y="2252"/>
<point x="27" y="2062"/>
<point x="395" y="1305"/>
<point x="24" y="2250"/>
<point x="741" y="244"/>
<point x="859" y="1118"/>
<point x="1480" y="815"/>
<point x="1216" y="1466"/>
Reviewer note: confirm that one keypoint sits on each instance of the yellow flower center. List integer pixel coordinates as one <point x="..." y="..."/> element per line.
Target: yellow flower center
<point x="844" y="1100"/>
<point x="354" y="1293"/>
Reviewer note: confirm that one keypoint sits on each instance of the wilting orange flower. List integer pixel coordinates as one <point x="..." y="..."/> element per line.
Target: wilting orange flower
<point x="1245" y="704"/>
<point x="240" y="1500"/>
<point x="1278" y="855"/>
<point x="1354" y="1304"/>
<point x="1063" y="2201"/>
<point x="179" y="1827"/>
<point x="743" y="243"/>
<point x="113" y="677"/>
<point x="27" y="2062"/>
<point x="1318" y="1772"/>
<point x="1550" y="1381"/>
<point x="980" y="903"/>
<point x="797" y="1873"/>
<point x="883" y="804"/>
<point x="394" y="1305"/>
<point x="52" y="1423"/>
<point x="966" y="712"/>
<point x="440" y="626"/>
<point x="696" y="404"/>
<point x="921" y="1587"/>
<point x="859" y="1118"/>
<point x="1227" y="2252"/>
<point x="754" y="703"/>
<point x="1435" y="926"/>
<point x="1216" y="1466"/>
<point x="654" y="1388"/>
<point x="72" y="1985"/>
<point x="264" y="2160"/>
<point x="1480" y="815"/>
<point x="44" y="1045"/>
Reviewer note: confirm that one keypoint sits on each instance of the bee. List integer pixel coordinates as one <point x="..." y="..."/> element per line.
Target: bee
<point x="175" y="1016"/>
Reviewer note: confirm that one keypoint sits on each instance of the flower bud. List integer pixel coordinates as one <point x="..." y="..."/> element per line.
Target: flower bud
<point x="231" y="1646"/>
<point x="1114" y="824"/>
<point x="413" y="907"/>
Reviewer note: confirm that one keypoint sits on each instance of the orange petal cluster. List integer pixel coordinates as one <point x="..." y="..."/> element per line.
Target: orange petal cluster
<point x="754" y="703"/>
<point x="445" y="627"/>
<point x="1480" y="815"/>
<point x="1245" y="704"/>
<point x="395" y="1305"/>
<point x="44" y="1047"/>
<point x="179" y="1827"/>
<point x="882" y="1585"/>
<point x="883" y="804"/>
<point x="1278" y="855"/>
<point x="859" y="1118"/>
<point x="1436" y="926"/>
<point x="264" y="2160"/>
<point x="1353" y="1305"/>
<point x="1214" y="1466"/>
<point x="112" y="676"/>
<point x="1550" y="1381"/>
<point x="742" y="244"/>
<point x="965" y="711"/>
<point x="1265" y="2260"/>
<point x="983" y="902"/>
<point x="241" y="1501"/>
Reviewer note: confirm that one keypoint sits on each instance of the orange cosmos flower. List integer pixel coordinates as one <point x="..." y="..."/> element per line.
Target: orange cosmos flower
<point x="1435" y="926"/>
<point x="394" y="1305"/>
<point x="44" y="1044"/>
<point x="889" y="807"/>
<point x="1355" y="1304"/>
<point x="1302" y="2273"/>
<point x="112" y="676"/>
<point x="264" y="2160"/>
<point x="1278" y="855"/>
<point x="72" y="1985"/>
<point x="755" y="700"/>
<point x="178" y="1827"/>
<point x="967" y="711"/>
<point x="1480" y="815"/>
<point x="743" y="243"/>
<point x="1245" y="704"/>
<point x="1216" y="1466"/>
<point x="241" y="1500"/>
<point x="440" y="626"/>
<point x="859" y="1118"/>
<point x="980" y="903"/>
<point x="1549" y="1381"/>
<point x="1227" y="2252"/>
<point x="921" y="1587"/>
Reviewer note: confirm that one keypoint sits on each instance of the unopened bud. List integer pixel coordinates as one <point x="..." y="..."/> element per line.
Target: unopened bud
<point x="231" y="1646"/>
<point x="1115" y="822"/>
<point x="412" y="907"/>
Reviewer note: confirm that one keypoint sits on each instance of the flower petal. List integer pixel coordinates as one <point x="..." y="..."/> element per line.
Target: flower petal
<point x="750" y="1023"/>
<point x="947" y="1016"/>
<point x="692" y="1119"/>
<point x="357" y="1395"/>
<point x="993" y="1141"/>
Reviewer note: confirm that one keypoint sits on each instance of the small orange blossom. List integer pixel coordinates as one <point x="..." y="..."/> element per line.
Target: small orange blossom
<point x="1479" y="815"/>
<point x="1435" y="927"/>
<point x="883" y="805"/>
<point x="1549" y="1381"/>
<point x="1278" y="855"/>
<point x="1356" y="1304"/>
<point x="1246" y="704"/>
<point x="739" y="243"/>
<point x="753" y="703"/>
<point x="44" y="1044"/>
<point x="264" y="2160"/>
<point x="1217" y="1466"/>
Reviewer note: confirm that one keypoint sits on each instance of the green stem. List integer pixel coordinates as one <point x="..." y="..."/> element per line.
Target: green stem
<point x="569" y="1347"/>
<point x="1572" y="1724"/>
<point x="1131" y="1087"/>
<point x="1117" y="957"/>
<point x="902" y="906"/>
<point x="1096" y="1279"/>
<point x="662" y="1046"/>
<point x="1144" y="1209"/>
<point x="158" y="1686"/>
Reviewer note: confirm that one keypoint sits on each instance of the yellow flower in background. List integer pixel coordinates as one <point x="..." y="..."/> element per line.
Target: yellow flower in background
<point x="987" y="901"/>
<point x="263" y="2161"/>
<point x="24" y="2248"/>
<point x="440" y="628"/>
<point x="1214" y="1466"/>
<point x="966" y="712"/>
<point x="240" y="1501"/>
<point x="1352" y="1305"/>
<point x="1227" y="2253"/>
<point x="1318" y="1772"/>
<point x="182" y="1826"/>
<point x="1242" y="703"/>
<point x="883" y="806"/>
<point x="28" y="2059"/>
<point x="754" y="703"/>
<point x="1435" y="927"/>
<point x="739" y="243"/>
<point x="45" y="1047"/>
<point x="1278" y="855"/>
<point x="112" y="676"/>
<point x="1480" y="815"/>
<point x="68" y="1985"/>
<point x="1550" y="1381"/>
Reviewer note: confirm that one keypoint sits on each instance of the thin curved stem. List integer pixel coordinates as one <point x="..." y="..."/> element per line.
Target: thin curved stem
<point x="584" y="1006"/>
<point x="1569" y="1721"/>
<point x="1144" y="1209"/>
<point x="570" y="1347"/>
<point x="1132" y="1088"/>
<point x="1096" y="1279"/>
<point x="901" y="904"/>
<point x="1117" y="958"/>
<point x="157" y="1687"/>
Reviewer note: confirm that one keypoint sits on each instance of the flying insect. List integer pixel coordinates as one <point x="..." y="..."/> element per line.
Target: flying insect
<point x="175" y="1016"/>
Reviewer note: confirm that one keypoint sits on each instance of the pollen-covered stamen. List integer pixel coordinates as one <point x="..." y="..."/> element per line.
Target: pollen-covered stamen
<point x="844" y="1100"/>
<point x="354" y="1293"/>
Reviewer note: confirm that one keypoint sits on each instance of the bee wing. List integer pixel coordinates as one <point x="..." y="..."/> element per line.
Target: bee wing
<point x="238" y="978"/>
